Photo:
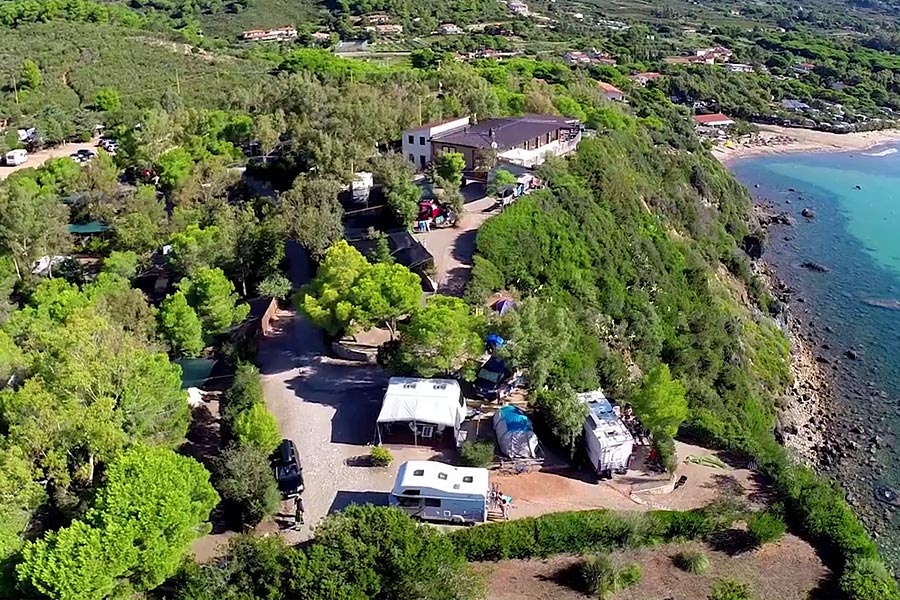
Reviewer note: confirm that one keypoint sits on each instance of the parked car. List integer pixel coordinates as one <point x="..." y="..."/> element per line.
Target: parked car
<point x="288" y="470"/>
<point x="494" y="380"/>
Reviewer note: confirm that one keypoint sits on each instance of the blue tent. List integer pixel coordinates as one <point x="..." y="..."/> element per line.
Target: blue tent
<point x="515" y="435"/>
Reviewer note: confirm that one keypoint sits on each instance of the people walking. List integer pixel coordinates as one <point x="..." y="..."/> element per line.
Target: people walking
<point x="298" y="512"/>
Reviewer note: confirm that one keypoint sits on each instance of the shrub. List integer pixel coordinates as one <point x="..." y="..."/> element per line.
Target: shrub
<point x="381" y="456"/>
<point x="245" y="391"/>
<point x="477" y="454"/>
<point x="601" y="578"/>
<point x="598" y="575"/>
<point x="729" y="590"/>
<point x="868" y="579"/>
<point x="766" y="527"/>
<point x="629" y="575"/>
<point x="258" y="427"/>
<point x="691" y="561"/>
<point x="497" y="541"/>
<point x="665" y="450"/>
<point x="682" y="525"/>
<point x="244" y="479"/>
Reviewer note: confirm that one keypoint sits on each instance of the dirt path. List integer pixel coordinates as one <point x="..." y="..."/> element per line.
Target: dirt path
<point x="787" y="570"/>
<point x="36" y="159"/>
<point x="454" y="247"/>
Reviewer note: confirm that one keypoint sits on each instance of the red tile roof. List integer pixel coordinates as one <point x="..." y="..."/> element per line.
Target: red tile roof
<point x="713" y="118"/>
<point x="609" y="88"/>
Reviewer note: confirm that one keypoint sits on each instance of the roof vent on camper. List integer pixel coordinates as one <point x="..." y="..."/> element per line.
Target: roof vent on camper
<point x="418" y="472"/>
<point x="440" y="386"/>
<point x="468" y="479"/>
<point x="455" y="486"/>
<point x="442" y="476"/>
<point x="409" y="385"/>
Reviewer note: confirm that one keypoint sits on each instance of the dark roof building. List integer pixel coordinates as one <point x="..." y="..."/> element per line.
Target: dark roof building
<point x="505" y="132"/>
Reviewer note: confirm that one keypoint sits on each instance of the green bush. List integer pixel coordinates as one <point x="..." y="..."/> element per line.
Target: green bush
<point x="601" y="578"/>
<point x="245" y="391"/>
<point x="256" y="426"/>
<point x="629" y="575"/>
<point x="243" y="478"/>
<point x="580" y="532"/>
<point x="665" y="450"/>
<point x="868" y="579"/>
<point x="381" y="456"/>
<point x="691" y="561"/>
<point x="477" y="454"/>
<point x="766" y="527"/>
<point x="730" y="590"/>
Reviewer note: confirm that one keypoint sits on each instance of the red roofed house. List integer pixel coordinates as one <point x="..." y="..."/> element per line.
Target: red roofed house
<point x="611" y="92"/>
<point x="713" y="120"/>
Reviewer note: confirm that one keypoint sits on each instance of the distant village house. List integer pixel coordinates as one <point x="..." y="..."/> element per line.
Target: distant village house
<point x="611" y="92"/>
<point x="386" y="29"/>
<point x="642" y="79"/>
<point x="450" y="29"/>
<point x="269" y="35"/>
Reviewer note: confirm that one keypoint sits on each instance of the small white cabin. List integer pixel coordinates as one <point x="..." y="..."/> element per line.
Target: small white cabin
<point x="607" y="441"/>
<point x="421" y="411"/>
<point x="434" y="491"/>
<point x="16" y="157"/>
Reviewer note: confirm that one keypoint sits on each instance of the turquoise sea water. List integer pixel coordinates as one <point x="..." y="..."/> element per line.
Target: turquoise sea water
<point x="856" y="235"/>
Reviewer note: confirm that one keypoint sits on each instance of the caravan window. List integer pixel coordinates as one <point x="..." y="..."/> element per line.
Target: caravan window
<point x="432" y="502"/>
<point x="408" y="501"/>
<point x="418" y="472"/>
<point x="442" y="476"/>
<point x="467" y="479"/>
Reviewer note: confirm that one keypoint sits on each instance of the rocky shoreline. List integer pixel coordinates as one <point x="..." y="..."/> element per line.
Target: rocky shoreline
<point x="832" y="418"/>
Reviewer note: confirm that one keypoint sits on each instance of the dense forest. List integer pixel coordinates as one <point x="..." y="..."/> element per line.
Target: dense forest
<point x="628" y="265"/>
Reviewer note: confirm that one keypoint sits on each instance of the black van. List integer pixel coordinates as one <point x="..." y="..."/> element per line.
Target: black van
<point x="287" y="469"/>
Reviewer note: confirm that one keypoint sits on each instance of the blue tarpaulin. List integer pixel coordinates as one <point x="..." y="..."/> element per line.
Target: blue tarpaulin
<point x="515" y="435"/>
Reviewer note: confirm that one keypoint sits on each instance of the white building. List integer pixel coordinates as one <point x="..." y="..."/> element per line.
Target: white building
<point x="435" y="491"/>
<point x="518" y="7"/>
<point x="416" y="143"/>
<point x="450" y="29"/>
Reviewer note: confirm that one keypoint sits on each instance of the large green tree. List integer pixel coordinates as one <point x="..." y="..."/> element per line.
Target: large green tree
<point x="33" y="224"/>
<point x="395" y="175"/>
<point x="350" y="293"/>
<point x="180" y="326"/>
<point x="313" y="214"/>
<point x="212" y="295"/>
<point x="450" y="166"/>
<point x="660" y="402"/>
<point x="442" y="338"/>
<point x="153" y="504"/>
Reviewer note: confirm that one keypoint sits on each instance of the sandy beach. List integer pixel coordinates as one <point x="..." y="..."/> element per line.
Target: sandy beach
<point x="772" y="139"/>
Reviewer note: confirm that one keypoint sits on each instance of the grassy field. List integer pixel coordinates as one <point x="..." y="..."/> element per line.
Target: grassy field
<point x="78" y="59"/>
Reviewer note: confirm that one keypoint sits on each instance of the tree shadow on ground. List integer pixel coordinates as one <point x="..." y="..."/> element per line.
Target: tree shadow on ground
<point x="343" y="499"/>
<point x="569" y="576"/>
<point x="732" y="541"/>
<point x="204" y="436"/>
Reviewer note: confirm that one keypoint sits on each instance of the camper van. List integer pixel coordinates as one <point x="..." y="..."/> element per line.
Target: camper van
<point x="434" y="491"/>
<point x="607" y="441"/>
<point x="16" y="157"/>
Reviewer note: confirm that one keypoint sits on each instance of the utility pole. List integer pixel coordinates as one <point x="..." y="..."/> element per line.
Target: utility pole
<point x="16" y="89"/>
<point x="177" y="83"/>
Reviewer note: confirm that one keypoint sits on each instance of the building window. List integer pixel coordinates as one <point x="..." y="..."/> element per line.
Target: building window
<point x="412" y="158"/>
<point x="422" y="160"/>
<point x="445" y="149"/>
<point x="412" y="139"/>
<point x="421" y="140"/>
<point x="433" y="502"/>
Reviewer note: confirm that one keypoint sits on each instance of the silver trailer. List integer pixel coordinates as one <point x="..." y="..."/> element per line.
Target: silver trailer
<point x="433" y="491"/>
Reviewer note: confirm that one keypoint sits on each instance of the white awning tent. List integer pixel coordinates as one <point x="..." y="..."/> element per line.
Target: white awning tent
<point x="437" y="402"/>
<point x="515" y="435"/>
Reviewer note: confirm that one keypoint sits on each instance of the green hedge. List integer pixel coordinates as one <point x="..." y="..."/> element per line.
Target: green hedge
<point x="581" y="532"/>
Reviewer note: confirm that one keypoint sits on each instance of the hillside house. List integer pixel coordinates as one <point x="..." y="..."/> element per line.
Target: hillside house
<point x="269" y="35"/>
<point x="739" y="68"/>
<point x="642" y="79"/>
<point x="450" y="29"/>
<point x="523" y="141"/>
<point x="611" y="92"/>
<point x="386" y="29"/>
<point x="517" y="7"/>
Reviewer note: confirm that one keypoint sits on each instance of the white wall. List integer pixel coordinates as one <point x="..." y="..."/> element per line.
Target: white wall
<point x="418" y="151"/>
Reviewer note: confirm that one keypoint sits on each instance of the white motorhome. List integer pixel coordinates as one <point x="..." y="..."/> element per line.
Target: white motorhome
<point x="607" y="441"/>
<point x="16" y="157"/>
<point x="434" y="491"/>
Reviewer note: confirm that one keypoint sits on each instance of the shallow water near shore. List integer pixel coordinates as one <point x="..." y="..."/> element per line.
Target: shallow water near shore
<point x="851" y="308"/>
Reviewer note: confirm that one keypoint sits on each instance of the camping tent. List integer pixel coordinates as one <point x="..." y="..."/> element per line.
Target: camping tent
<point x="503" y="306"/>
<point x="515" y="436"/>
<point x="436" y="402"/>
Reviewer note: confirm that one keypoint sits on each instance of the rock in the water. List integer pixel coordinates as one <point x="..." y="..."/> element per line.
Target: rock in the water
<point x="852" y="354"/>
<point x="857" y="187"/>
<point x="808" y="213"/>
<point x="814" y="266"/>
